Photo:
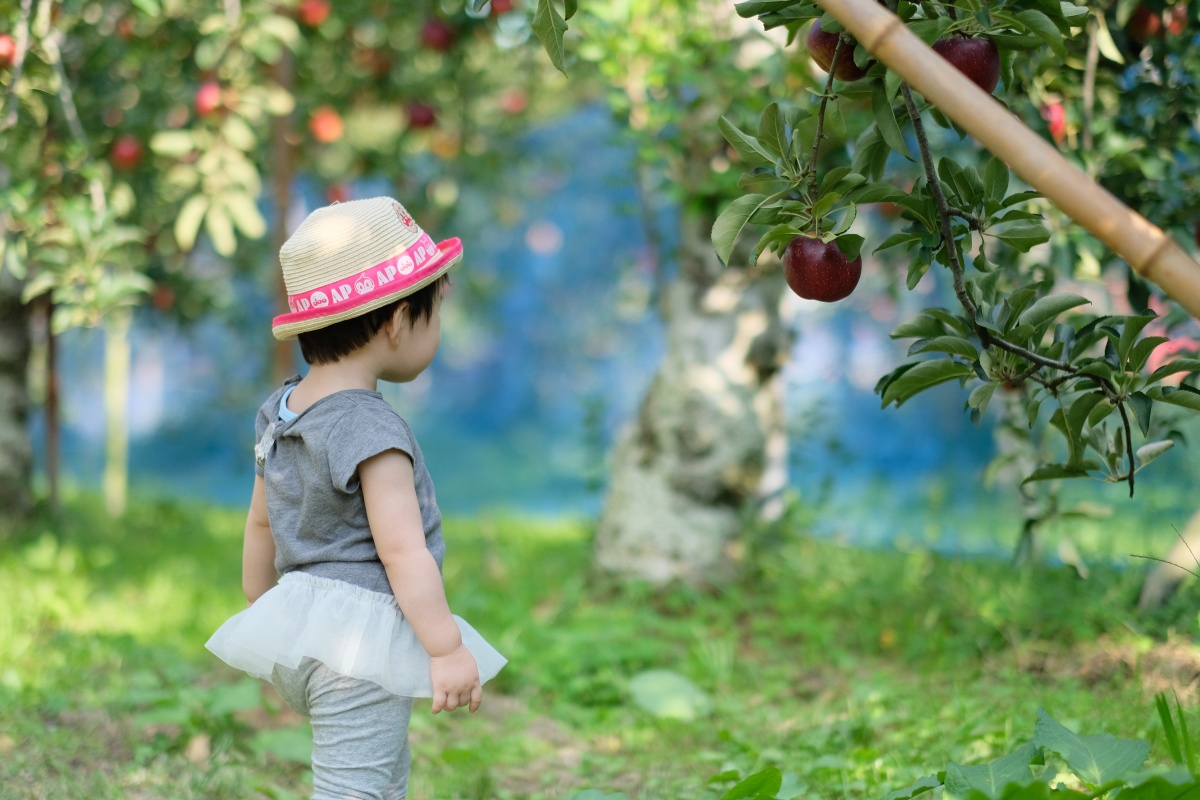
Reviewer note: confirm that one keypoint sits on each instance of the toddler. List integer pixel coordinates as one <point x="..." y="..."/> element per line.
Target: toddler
<point x="342" y="556"/>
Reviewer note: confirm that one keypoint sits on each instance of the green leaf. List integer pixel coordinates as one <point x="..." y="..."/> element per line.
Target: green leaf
<point x="897" y="239"/>
<point x="1024" y="237"/>
<point x="1095" y="759"/>
<point x="995" y="179"/>
<point x="219" y="227"/>
<point x="1050" y="472"/>
<point x="1177" y="784"/>
<point x="749" y="149"/>
<point x="287" y="744"/>
<point x="980" y="396"/>
<point x="771" y="134"/>
<point x="1178" y="397"/>
<point x="246" y="216"/>
<point x="870" y="153"/>
<point x="752" y="8"/>
<point x="924" y="375"/>
<point x="921" y="326"/>
<point x="549" y="26"/>
<point x="570" y="7"/>
<point x="1148" y="452"/>
<point x="226" y="698"/>
<point x="761" y="784"/>
<point x="1041" y="26"/>
<point x="187" y="222"/>
<point x="991" y="778"/>
<point x="668" y="695"/>
<point x="1130" y="331"/>
<point x="926" y="784"/>
<point x="1049" y="307"/>
<point x="1174" y="367"/>
<point x="732" y="221"/>
<point x="1108" y="48"/>
<point x="173" y="144"/>
<point x="952" y="345"/>
<point x="850" y="244"/>
<point x="1141" y="351"/>
<point x="1142" y="406"/>
<point x="1075" y="417"/>
<point x="885" y="120"/>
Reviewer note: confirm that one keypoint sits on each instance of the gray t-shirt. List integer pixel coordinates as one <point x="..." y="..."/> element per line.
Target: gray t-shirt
<point x="314" y="500"/>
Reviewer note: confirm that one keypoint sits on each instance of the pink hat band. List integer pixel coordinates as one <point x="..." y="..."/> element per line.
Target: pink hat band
<point x="404" y="271"/>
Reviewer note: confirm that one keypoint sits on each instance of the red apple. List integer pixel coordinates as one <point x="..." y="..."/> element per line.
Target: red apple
<point x="513" y="101"/>
<point x="437" y="34"/>
<point x="817" y="270"/>
<point x="1143" y="24"/>
<point x="421" y="115"/>
<point x="208" y="98"/>
<point x="821" y="46"/>
<point x="314" y="12"/>
<point x="8" y="51"/>
<point x="501" y="6"/>
<point x="977" y="58"/>
<point x="1056" y="117"/>
<point x="126" y="152"/>
<point x="326" y="125"/>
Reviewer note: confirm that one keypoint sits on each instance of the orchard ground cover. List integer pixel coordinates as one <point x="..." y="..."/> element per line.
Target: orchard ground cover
<point x="854" y="671"/>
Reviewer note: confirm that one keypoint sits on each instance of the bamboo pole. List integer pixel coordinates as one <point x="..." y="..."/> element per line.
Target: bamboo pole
<point x="1153" y="254"/>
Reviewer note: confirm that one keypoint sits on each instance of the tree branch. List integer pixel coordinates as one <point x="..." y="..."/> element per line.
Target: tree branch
<point x="67" y="99"/>
<point x="810" y="169"/>
<point x="943" y="209"/>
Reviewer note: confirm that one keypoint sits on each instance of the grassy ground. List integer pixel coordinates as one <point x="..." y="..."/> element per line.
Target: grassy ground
<point x="855" y="672"/>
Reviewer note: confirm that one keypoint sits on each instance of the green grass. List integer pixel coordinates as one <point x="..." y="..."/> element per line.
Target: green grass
<point x="854" y="671"/>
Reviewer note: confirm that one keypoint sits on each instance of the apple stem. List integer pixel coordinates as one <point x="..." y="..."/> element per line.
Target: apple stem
<point x="986" y="337"/>
<point x="810" y="169"/>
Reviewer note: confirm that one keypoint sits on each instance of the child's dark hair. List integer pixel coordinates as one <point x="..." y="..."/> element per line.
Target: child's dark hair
<point x="328" y="345"/>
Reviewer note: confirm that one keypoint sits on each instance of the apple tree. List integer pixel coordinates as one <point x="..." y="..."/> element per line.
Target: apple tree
<point x="147" y="147"/>
<point x="1114" y="91"/>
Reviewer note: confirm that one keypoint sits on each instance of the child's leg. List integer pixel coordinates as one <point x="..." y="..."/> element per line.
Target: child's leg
<point x="360" y="733"/>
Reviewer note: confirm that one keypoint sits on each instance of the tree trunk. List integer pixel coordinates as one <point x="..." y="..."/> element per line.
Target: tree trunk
<point x="687" y="470"/>
<point x="16" y="450"/>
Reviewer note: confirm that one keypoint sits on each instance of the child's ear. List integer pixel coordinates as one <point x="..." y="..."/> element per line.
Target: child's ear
<point x="398" y="322"/>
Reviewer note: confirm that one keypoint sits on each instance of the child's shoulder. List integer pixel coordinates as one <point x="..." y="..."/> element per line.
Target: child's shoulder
<point x="270" y="406"/>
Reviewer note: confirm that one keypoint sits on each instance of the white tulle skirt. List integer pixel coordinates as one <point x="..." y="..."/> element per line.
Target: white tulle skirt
<point x="353" y="631"/>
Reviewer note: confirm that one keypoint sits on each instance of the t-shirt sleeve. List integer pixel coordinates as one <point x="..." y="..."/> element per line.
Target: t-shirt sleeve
<point x="364" y="432"/>
<point x="260" y="427"/>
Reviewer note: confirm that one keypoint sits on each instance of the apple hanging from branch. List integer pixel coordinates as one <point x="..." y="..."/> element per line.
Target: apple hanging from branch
<point x="977" y="58"/>
<point x="817" y="270"/>
<point x="822" y="45"/>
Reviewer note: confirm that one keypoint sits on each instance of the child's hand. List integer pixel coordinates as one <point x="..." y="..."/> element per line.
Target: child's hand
<point x="455" y="679"/>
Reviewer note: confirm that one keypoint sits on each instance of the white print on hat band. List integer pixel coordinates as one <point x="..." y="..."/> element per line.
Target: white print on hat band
<point x="332" y="295"/>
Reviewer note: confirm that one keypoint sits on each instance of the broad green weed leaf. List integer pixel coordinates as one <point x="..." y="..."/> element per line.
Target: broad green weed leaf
<point x="1095" y="759"/>
<point x="926" y="784"/>
<point x="286" y="744"/>
<point x="760" y="784"/>
<point x="991" y="778"/>
<point x="227" y="698"/>
<point x="669" y="695"/>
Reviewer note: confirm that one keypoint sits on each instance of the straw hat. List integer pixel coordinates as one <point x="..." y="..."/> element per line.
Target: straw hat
<point x="350" y="258"/>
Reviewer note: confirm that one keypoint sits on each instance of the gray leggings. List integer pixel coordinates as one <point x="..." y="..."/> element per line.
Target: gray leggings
<point x="360" y="732"/>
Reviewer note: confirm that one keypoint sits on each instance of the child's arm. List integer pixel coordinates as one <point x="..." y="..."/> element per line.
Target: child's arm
<point x="395" y="518"/>
<point x="258" y="548"/>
